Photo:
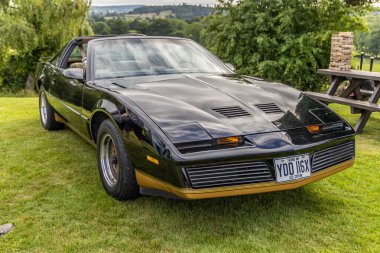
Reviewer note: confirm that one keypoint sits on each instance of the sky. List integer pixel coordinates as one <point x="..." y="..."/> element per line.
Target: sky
<point x="150" y="2"/>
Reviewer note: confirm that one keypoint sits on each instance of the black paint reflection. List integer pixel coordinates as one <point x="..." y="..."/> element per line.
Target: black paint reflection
<point x="131" y="123"/>
<point x="307" y="112"/>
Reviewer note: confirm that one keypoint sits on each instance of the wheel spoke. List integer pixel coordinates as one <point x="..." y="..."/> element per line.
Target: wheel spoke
<point x="43" y="108"/>
<point x="109" y="160"/>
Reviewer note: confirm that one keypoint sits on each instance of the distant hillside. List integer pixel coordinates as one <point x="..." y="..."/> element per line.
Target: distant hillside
<point x="101" y="10"/>
<point x="186" y="12"/>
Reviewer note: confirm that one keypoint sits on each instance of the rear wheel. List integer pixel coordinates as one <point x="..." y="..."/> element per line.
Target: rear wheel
<point x="47" y="114"/>
<point x="116" y="171"/>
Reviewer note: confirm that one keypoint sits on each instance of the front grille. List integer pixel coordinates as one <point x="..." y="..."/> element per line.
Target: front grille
<point x="232" y="111"/>
<point x="328" y="157"/>
<point x="228" y="174"/>
<point x="270" y="108"/>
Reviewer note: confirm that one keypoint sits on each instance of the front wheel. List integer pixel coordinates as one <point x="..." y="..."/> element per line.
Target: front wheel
<point x="47" y="113"/>
<point x="116" y="171"/>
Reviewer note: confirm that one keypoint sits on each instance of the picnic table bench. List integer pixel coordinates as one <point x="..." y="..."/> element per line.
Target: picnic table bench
<point x="353" y="95"/>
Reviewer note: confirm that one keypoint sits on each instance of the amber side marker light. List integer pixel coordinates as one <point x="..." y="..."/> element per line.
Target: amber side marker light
<point x="228" y="140"/>
<point x="313" y="129"/>
<point x="152" y="159"/>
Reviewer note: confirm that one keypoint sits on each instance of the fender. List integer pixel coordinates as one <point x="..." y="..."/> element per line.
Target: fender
<point x="107" y="108"/>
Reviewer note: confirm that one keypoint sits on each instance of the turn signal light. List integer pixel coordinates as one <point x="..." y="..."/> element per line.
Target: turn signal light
<point x="313" y="129"/>
<point x="152" y="159"/>
<point x="228" y="140"/>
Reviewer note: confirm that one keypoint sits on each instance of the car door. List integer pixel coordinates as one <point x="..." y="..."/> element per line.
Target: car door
<point x="67" y="93"/>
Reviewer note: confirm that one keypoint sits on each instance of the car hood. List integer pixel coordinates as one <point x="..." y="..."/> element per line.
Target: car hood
<point x="221" y="105"/>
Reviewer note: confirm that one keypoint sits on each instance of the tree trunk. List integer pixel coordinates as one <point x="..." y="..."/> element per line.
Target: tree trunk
<point x="30" y="82"/>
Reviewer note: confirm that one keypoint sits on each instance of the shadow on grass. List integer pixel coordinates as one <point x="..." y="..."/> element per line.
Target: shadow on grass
<point x="298" y="199"/>
<point x="278" y="212"/>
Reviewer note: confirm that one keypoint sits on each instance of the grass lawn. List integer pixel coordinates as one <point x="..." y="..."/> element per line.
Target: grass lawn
<point x="366" y="64"/>
<point x="51" y="191"/>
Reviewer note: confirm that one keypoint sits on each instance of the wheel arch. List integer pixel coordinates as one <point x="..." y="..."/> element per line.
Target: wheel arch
<point x="40" y="75"/>
<point x="98" y="116"/>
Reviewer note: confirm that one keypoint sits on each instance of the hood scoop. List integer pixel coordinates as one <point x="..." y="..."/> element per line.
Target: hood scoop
<point x="232" y="112"/>
<point x="270" y="108"/>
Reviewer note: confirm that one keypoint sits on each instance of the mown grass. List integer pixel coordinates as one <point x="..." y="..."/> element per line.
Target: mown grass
<point x="19" y="94"/>
<point x="366" y="64"/>
<point x="50" y="190"/>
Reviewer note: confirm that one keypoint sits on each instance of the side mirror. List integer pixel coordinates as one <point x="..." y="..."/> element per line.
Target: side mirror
<point x="75" y="73"/>
<point x="231" y="67"/>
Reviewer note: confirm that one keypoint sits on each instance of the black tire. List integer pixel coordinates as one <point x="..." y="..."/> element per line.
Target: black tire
<point x="117" y="174"/>
<point x="47" y="113"/>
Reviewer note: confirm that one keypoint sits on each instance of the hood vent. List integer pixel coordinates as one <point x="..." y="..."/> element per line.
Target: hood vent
<point x="270" y="108"/>
<point x="232" y="112"/>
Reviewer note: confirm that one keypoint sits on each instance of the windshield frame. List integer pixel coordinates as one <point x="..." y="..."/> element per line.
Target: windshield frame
<point x="92" y="44"/>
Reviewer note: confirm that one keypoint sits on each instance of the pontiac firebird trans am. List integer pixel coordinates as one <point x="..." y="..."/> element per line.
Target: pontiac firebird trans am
<point x="170" y="119"/>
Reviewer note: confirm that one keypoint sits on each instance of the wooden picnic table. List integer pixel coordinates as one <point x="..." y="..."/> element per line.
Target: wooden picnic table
<point x="353" y="95"/>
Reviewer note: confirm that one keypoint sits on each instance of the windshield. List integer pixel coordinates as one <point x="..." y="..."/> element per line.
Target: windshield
<point x="119" y="58"/>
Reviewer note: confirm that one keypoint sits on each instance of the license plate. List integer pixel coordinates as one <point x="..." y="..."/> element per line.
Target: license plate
<point x="292" y="168"/>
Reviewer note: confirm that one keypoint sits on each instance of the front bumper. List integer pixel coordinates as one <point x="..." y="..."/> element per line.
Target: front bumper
<point x="150" y="182"/>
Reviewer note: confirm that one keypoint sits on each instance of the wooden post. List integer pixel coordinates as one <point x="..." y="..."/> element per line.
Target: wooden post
<point x="336" y="81"/>
<point x="367" y="114"/>
<point x="371" y="64"/>
<point x="361" y="60"/>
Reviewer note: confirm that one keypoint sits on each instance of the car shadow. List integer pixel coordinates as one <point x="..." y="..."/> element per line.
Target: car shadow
<point x="287" y="207"/>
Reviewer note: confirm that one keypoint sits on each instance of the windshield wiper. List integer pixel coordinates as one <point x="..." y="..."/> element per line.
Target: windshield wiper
<point x="116" y="84"/>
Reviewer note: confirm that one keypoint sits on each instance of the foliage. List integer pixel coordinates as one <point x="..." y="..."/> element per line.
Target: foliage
<point x="369" y="41"/>
<point x="186" y="12"/>
<point x="164" y="27"/>
<point x="280" y="40"/>
<point x="193" y="31"/>
<point x="154" y="27"/>
<point x="118" y="26"/>
<point x="52" y="193"/>
<point x="101" y="28"/>
<point x="362" y="3"/>
<point x="32" y="29"/>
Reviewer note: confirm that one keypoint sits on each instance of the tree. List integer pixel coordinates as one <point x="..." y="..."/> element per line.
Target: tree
<point x="101" y="28"/>
<point x="32" y="29"/>
<point x="118" y="26"/>
<point x="166" y="27"/>
<point x="193" y="31"/>
<point x="280" y="40"/>
<point x="153" y="27"/>
<point x="369" y="41"/>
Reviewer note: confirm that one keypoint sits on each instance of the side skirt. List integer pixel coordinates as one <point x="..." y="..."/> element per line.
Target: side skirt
<point x="58" y="118"/>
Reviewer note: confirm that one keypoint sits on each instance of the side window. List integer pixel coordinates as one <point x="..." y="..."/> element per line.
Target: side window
<point x="76" y="54"/>
<point x="75" y="58"/>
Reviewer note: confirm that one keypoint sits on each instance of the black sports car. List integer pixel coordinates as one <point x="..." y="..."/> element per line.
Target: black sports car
<point x="169" y="118"/>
